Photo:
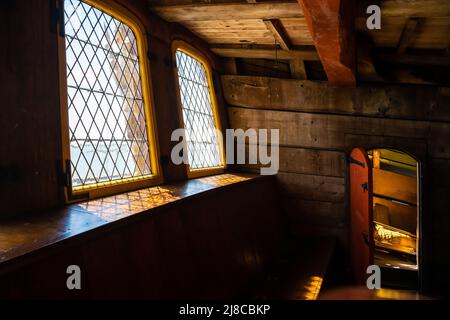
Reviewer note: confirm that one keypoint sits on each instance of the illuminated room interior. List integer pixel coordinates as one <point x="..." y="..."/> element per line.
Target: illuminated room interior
<point x="396" y="214"/>
<point x="119" y="178"/>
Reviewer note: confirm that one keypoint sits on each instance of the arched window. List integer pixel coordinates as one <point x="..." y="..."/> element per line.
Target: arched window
<point x="198" y="111"/>
<point x="112" y="145"/>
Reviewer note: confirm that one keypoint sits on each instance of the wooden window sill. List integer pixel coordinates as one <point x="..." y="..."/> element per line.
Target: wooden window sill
<point x="25" y="237"/>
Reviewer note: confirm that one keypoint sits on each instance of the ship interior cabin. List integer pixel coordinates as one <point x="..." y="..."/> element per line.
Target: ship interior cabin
<point x="224" y="149"/>
<point x="395" y="216"/>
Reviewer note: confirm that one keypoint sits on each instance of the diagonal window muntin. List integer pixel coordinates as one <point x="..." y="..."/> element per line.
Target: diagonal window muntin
<point x="110" y="136"/>
<point x="198" y="111"/>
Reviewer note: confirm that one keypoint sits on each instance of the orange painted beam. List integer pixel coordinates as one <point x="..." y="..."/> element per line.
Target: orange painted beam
<point x="331" y="24"/>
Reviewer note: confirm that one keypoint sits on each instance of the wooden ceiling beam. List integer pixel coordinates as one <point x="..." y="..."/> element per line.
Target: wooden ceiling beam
<point x="414" y="59"/>
<point x="279" y="33"/>
<point x="251" y="53"/>
<point x="298" y="69"/>
<point x="229" y="11"/>
<point x="407" y="34"/>
<point x="331" y="23"/>
<point x="153" y="3"/>
<point x="409" y="8"/>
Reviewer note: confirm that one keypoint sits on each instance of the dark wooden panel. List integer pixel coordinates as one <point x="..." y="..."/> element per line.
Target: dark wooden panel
<point x="403" y="102"/>
<point x="166" y="105"/>
<point x="327" y="131"/>
<point x="313" y="117"/>
<point x="307" y="161"/>
<point x="312" y="161"/>
<point x="302" y="230"/>
<point x="311" y="187"/>
<point x="307" y="212"/>
<point x="29" y="126"/>
<point x="259" y="67"/>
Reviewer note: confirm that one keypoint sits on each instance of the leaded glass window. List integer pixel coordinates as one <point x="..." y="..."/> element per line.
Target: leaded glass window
<point x="198" y="112"/>
<point x="109" y="141"/>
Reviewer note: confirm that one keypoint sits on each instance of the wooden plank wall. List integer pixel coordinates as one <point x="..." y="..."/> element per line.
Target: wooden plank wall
<point x="319" y="125"/>
<point x="30" y="129"/>
<point x="29" y="122"/>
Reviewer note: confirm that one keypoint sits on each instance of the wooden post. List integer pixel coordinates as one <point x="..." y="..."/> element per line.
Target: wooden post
<point x="298" y="69"/>
<point x="330" y="23"/>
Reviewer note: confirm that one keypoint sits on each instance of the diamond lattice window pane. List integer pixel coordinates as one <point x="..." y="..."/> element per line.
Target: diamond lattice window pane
<point x="107" y="123"/>
<point x="198" y="116"/>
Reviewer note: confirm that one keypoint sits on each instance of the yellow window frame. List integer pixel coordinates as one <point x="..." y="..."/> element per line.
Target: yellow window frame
<point x="180" y="45"/>
<point x="102" y="189"/>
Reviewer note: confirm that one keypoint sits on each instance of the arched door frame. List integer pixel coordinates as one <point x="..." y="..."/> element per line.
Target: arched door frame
<point x="421" y="201"/>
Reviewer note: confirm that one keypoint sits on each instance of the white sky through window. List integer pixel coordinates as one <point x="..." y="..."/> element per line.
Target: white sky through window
<point x="107" y="123"/>
<point x="198" y="115"/>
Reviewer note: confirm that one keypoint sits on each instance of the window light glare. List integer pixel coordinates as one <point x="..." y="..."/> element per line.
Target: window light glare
<point x="107" y="121"/>
<point x="198" y="113"/>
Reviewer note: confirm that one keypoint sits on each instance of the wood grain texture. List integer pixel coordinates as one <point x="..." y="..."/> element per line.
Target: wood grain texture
<point x="327" y="131"/>
<point x="210" y="246"/>
<point x="167" y="118"/>
<point x="407" y="34"/>
<point x="248" y="31"/>
<point x="395" y="186"/>
<point x="431" y="33"/>
<point x="387" y="101"/>
<point x="30" y="133"/>
<point x="214" y="11"/>
<point x="315" y="117"/>
<point x="312" y="161"/>
<point x="278" y="31"/>
<point x="307" y="161"/>
<point x="298" y="69"/>
<point x="257" y="53"/>
<point x="312" y="187"/>
<point x="415" y="8"/>
<point x="311" y="212"/>
<point x="331" y="24"/>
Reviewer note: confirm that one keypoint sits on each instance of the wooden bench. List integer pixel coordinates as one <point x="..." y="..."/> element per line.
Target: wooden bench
<point x="209" y="238"/>
<point x="299" y="272"/>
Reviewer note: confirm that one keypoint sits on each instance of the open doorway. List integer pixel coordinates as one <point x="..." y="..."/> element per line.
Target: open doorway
<point x="385" y="215"/>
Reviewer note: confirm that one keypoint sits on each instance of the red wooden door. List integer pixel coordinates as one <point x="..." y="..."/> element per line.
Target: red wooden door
<point x="361" y="213"/>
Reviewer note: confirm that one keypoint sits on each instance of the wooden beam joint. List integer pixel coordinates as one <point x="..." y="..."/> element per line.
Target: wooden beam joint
<point x="279" y="33"/>
<point x="407" y="34"/>
<point x="298" y="69"/>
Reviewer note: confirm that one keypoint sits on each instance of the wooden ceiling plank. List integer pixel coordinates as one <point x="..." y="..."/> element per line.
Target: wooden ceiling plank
<point x="415" y="8"/>
<point x="229" y="11"/>
<point x="266" y="53"/>
<point x="167" y="3"/>
<point x="279" y="33"/>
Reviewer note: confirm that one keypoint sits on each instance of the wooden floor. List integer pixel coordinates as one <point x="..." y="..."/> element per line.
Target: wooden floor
<point x="299" y="273"/>
<point x="362" y="293"/>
